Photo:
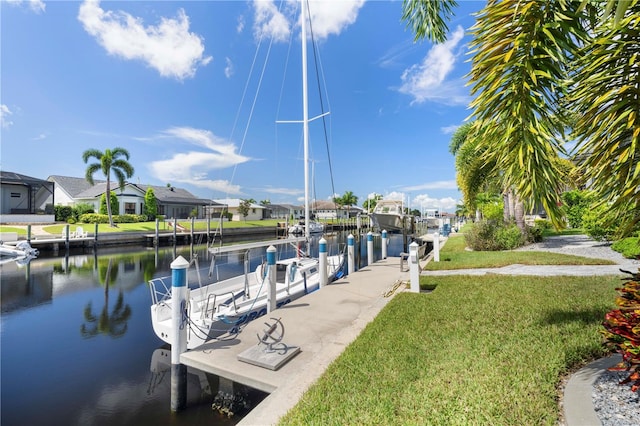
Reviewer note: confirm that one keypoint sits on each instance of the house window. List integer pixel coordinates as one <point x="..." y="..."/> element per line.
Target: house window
<point x="129" y="208"/>
<point x="15" y="195"/>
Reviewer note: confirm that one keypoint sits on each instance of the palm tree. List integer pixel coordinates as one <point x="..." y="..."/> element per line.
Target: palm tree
<point x="531" y="60"/>
<point x="109" y="161"/>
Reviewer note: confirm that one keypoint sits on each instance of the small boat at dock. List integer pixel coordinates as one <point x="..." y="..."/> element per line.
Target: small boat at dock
<point x="219" y="310"/>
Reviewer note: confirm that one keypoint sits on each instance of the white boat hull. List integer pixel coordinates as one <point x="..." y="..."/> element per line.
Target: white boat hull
<point x="219" y="310"/>
<point x="392" y="222"/>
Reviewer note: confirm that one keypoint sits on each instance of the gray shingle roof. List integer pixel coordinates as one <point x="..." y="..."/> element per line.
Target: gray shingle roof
<point x="72" y="185"/>
<point x="80" y="188"/>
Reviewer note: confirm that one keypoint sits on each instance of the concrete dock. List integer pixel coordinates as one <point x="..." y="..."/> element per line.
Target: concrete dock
<point x="321" y="324"/>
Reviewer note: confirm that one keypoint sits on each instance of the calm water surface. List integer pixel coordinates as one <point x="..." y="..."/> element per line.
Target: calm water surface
<point x="77" y="346"/>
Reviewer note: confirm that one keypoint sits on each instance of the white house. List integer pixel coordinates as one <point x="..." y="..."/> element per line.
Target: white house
<point x="256" y="211"/>
<point x="172" y="202"/>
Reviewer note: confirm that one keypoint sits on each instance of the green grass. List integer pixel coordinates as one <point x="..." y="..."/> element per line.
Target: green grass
<point x="149" y="227"/>
<point x="20" y="231"/>
<point x="481" y="350"/>
<point x="453" y="255"/>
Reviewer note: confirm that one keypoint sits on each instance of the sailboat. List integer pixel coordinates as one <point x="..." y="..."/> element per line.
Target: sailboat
<point x="219" y="310"/>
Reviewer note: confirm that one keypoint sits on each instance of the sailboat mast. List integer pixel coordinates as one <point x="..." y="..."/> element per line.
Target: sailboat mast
<point x="305" y="118"/>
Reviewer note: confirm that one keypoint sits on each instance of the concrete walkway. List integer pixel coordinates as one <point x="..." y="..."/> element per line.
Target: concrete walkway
<point x="322" y="324"/>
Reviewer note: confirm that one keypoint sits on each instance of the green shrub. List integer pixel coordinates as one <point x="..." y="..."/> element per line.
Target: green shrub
<point x="494" y="236"/>
<point x="63" y="213"/>
<point x="130" y="218"/>
<point x="599" y="223"/>
<point x="82" y="208"/>
<point x="71" y="220"/>
<point x="576" y="203"/>
<point x="628" y="247"/>
<point x="493" y="211"/>
<point x="508" y="237"/>
<point x="103" y="218"/>
<point x="94" y="218"/>
<point x="480" y="236"/>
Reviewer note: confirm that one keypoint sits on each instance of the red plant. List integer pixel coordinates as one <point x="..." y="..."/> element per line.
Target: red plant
<point x="622" y="328"/>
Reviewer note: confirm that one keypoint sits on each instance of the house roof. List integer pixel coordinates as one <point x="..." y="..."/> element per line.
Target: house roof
<point x="80" y="188"/>
<point x="284" y="207"/>
<point x="72" y="185"/>
<point x="18" y="179"/>
<point x="173" y="195"/>
<point x="234" y="203"/>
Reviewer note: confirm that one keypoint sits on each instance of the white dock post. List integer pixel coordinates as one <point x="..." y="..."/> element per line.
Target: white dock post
<point x="351" y="260"/>
<point x="370" y="248"/>
<point x="271" y="276"/>
<point x="414" y="270"/>
<point x="436" y="247"/>
<point x="322" y="248"/>
<point x="385" y="242"/>
<point x="179" y="293"/>
<point x="156" y="239"/>
<point x="65" y="235"/>
<point x="175" y="226"/>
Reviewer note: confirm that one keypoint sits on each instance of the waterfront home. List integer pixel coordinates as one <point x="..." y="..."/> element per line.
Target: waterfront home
<point x="172" y="202"/>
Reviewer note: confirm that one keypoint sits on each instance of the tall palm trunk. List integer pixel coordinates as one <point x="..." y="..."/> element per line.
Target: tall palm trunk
<point x="108" y="197"/>
<point x="519" y="213"/>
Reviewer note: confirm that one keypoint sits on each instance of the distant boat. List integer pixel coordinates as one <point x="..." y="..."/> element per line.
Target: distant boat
<point x="300" y="228"/>
<point x="219" y="309"/>
<point x="388" y="215"/>
<point x="22" y="253"/>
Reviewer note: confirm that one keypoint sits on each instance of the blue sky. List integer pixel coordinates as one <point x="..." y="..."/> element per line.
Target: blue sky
<point x="194" y="89"/>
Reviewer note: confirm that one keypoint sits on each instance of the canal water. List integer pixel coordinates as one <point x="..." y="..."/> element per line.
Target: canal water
<point x="77" y="346"/>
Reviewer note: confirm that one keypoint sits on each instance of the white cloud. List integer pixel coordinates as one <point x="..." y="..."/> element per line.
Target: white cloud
<point x="446" y="204"/>
<point x="327" y="17"/>
<point x="282" y="191"/>
<point x="40" y="137"/>
<point x="228" y="69"/>
<point x="5" y="112"/>
<point x="331" y="17"/>
<point x="269" y="21"/>
<point x="168" y="47"/>
<point x="192" y="167"/>
<point x="448" y="130"/>
<point x="36" y="6"/>
<point x="427" y="81"/>
<point x="442" y="184"/>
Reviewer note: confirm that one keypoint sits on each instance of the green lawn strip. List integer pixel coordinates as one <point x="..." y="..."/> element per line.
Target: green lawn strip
<point x="20" y="231"/>
<point x="454" y="255"/>
<point x="481" y="350"/>
<point x="150" y="227"/>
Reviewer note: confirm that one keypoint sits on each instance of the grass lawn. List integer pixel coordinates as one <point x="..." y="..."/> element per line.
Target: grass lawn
<point x="454" y="256"/>
<point x="481" y="350"/>
<point x="484" y="350"/>
<point x="148" y="227"/>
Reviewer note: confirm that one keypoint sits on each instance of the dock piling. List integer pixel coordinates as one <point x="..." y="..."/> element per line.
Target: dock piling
<point x="271" y="277"/>
<point x="414" y="273"/>
<point x="370" y="248"/>
<point x="351" y="261"/>
<point x="179" y="293"/>
<point x="322" y="248"/>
